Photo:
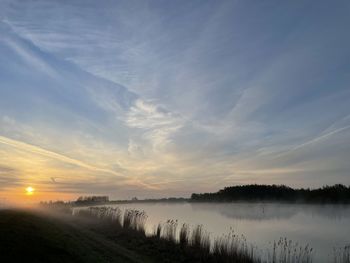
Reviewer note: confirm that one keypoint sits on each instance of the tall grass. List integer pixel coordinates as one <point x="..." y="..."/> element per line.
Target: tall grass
<point x="200" y="239"/>
<point x="342" y="255"/>
<point x="286" y="251"/>
<point x="130" y="219"/>
<point x="231" y="247"/>
<point x="135" y="220"/>
<point x="158" y="230"/>
<point x="227" y="248"/>
<point x="184" y="235"/>
<point x="169" y="230"/>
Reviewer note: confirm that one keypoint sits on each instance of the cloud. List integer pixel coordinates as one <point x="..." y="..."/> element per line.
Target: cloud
<point x="37" y="150"/>
<point x="30" y="58"/>
<point x="315" y="140"/>
<point x="9" y="177"/>
<point x="93" y="175"/>
<point x="158" y="123"/>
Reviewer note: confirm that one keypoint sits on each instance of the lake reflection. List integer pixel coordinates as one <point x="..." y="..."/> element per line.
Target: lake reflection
<point x="323" y="227"/>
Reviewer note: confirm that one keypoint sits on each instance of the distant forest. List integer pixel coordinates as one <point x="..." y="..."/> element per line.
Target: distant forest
<point x="328" y="194"/>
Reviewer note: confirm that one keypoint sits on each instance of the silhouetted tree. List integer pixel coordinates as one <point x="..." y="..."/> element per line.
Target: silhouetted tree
<point x="328" y="194"/>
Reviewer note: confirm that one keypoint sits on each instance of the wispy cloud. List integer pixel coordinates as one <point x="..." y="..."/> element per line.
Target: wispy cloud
<point x="127" y="180"/>
<point x="158" y="123"/>
<point x="9" y="177"/>
<point x="315" y="140"/>
<point x="30" y="58"/>
<point x="37" y="150"/>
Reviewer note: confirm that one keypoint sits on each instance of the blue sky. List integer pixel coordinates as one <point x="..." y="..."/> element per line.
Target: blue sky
<point x="159" y="98"/>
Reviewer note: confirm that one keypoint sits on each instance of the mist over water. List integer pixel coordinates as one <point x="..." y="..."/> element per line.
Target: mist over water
<point x="323" y="227"/>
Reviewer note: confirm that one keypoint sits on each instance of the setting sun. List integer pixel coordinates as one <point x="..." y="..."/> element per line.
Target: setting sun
<point x="29" y="190"/>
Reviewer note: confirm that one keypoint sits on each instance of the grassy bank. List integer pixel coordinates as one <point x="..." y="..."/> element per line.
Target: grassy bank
<point x="32" y="237"/>
<point x="99" y="235"/>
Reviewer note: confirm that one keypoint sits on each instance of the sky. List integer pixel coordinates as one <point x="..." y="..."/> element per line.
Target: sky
<point x="166" y="98"/>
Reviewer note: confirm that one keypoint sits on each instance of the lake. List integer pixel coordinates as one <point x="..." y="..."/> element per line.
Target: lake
<point x="323" y="227"/>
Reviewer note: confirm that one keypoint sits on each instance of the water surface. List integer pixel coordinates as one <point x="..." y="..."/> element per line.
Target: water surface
<point x="323" y="227"/>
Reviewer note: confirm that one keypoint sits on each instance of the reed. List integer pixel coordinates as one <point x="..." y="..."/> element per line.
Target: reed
<point x="196" y="244"/>
<point x="158" y="230"/>
<point x="231" y="247"/>
<point x="130" y="219"/>
<point x="341" y="255"/>
<point x="200" y="239"/>
<point x="135" y="220"/>
<point x="169" y="230"/>
<point x="184" y="235"/>
<point x="286" y="251"/>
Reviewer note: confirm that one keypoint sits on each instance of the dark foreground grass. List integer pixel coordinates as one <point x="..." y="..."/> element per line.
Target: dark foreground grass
<point x="31" y="237"/>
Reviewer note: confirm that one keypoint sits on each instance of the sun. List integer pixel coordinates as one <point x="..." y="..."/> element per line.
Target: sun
<point x="30" y="190"/>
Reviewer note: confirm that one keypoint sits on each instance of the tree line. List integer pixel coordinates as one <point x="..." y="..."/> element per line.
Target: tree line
<point x="254" y="192"/>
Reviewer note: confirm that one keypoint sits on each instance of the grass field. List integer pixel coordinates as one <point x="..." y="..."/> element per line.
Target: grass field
<point x="32" y="237"/>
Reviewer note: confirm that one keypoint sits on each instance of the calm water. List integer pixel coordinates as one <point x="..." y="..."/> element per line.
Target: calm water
<point x="323" y="227"/>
